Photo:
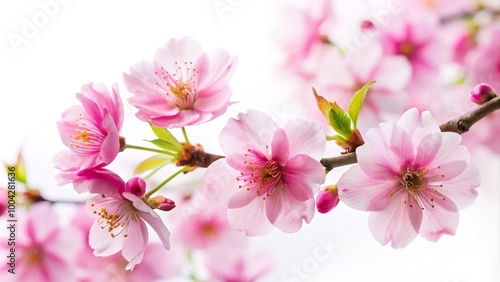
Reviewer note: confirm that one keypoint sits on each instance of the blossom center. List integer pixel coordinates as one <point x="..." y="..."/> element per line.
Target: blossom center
<point x="414" y="180"/>
<point x="82" y="136"/>
<point x="261" y="175"/>
<point x="114" y="217"/>
<point x="209" y="229"/>
<point x="406" y="49"/>
<point x="180" y="86"/>
<point x="34" y="255"/>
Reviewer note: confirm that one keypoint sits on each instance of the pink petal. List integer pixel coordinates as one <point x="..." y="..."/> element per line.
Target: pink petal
<point x="178" y="50"/>
<point x="252" y="218"/>
<point x="215" y="69"/>
<point x="303" y="177"/>
<point x="397" y="224"/>
<point x="446" y="171"/>
<point x="440" y="219"/>
<point x="111" y="143"/>
<point x="253" y="130"/>
<point x="151" y="217"/>
<point x="279" y="147"/>
<point x="221" y="186"/>
<point x="418" y="126"/>
<point x="394" y="80"/>
<point x="305" y="138"/>
<point x="99" y="181"/>
<point x="208" y="100"/>
<point x="42" y="222"/>
<point x="286" y="213"/>
<point x="386" y="152"/>
<point x="359" y="191"/>
<point x="462" y="189"/>
<point x="135" y="243"/>
<point x="182" y="118"/>
<point x="100" y="240"/>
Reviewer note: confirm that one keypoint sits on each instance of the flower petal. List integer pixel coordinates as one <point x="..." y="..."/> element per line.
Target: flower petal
<point x="279" y="147"/>
<point x="361" y="192"/>
<point x="440" y="219"/>
<point x="135" y="243"/>
<point x="252" y="218"/>
<point x="303" y="177"/>
<point x="305" y="138"/>
<point x="286" y="213"/>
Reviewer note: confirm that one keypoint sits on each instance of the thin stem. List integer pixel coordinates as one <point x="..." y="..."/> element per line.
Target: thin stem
<point x="128" y="146"/>
<point x="185" y="135"/>
<point x="154" y="190"/>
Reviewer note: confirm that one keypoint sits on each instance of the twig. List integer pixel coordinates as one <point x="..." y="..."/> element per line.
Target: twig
<point x="459" y="125"/>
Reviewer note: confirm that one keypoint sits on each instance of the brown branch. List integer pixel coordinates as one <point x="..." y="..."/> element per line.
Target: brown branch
<point x="459" y="125"/>
<point x="468" y="14"/>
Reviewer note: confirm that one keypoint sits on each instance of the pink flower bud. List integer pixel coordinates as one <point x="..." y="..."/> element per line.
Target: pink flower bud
<point x="367" y="25"/>
<point x="136" y="186"/>
<point x="482" y="93"/>
<point x="327" y="199"/>
<point x="161" y="203"/>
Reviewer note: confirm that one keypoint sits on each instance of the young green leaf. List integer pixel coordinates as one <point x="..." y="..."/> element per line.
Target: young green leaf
<point x="166" y="136"/>
<point x="324" y="105"/>
<point x="339" y="121"/>
<point x="152" y="162"/>
<point x="164" y="145"/>
<point x="357" y="101"/>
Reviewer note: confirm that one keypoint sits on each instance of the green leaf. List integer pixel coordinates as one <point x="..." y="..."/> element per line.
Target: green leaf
<point x="164" y="145"/>
<point x="20" y="169"/>
<point x="357" y="102"/>
<point x="152" y="162"/>
<point x="166" y="136"/>
<point x="339" y="121"/>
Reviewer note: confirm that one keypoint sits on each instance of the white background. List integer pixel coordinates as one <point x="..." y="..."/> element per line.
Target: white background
<point x="98" y="40"/>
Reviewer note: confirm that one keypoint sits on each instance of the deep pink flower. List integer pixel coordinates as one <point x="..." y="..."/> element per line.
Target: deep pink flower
<point x="417" y="38"/>
<point x="44" y="252"/>
<point x="182" y="86"/>
<point x="120" y="214"/>
<point x="269" y="175"/>
<point x="90" y="131"/>
<point x="413" y="178"/>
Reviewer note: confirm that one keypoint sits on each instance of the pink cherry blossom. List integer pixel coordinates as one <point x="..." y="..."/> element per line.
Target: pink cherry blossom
<point x="269" y="175"/>
<point x="208" y="227"/>
<point x="240" y="266"/>
<point x="157" y="264"/>
<point x="413" y="178"/>
<point x="303" y="37"/>
<point x="120" y="215"/>
<point x="44" y="252"/>
<point x="182" y="86"/>
<point x="90" y="131"/>
<point x="484" y="61"/>
<point x="417" y="38"/>
<point x="342" y="76"/>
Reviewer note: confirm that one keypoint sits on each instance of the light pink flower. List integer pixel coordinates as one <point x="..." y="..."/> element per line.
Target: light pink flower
<point x="269" y="175"/>
<point x="238" y="266"/>
<point x="157" y="264"/>
<point x="303" y="37"/>
<point x="182" y="86"/>
<point x="120" y="215"/>
<point x="208" y="227"/>
<point x="484" y="61"/>
<point x="413" y="178"/>
<point x="90" y="131"/>
<point x="342" y="76"/>
<point x="44" y="252"/>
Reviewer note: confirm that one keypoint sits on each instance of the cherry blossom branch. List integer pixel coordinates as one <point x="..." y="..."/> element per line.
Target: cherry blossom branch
<point x="468" y="14"/>
<point x="459" y="125"/>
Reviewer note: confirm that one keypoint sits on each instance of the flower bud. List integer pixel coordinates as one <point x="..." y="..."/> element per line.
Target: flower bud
<point x="136" y="186"/>
<point x="482" y="93"/>
<point x="327" y="199"/>
<point x="367" y="25"/>
<point x="161" y="203"/>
